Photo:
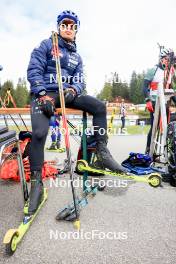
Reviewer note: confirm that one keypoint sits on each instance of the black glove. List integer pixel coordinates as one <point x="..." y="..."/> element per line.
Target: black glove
<point x="69" y="95"/>
<point x="46" y="104"/>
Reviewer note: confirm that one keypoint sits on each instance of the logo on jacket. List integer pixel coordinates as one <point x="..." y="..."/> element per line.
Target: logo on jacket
<point x="52" y="53"/>
<point x="73" y="61"/>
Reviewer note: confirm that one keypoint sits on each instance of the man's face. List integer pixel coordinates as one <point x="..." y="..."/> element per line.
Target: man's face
<point x="68" y="29"/>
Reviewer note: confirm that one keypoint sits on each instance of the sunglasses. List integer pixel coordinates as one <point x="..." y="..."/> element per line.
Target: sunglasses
<point x="68" y="24"/>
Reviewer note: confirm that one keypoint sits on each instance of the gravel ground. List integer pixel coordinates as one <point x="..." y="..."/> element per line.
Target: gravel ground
<point x="141" y="218"/>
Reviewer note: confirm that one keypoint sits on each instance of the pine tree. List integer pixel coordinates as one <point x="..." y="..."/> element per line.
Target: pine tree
<point x="119" y="88"/>
<point x="136" y="91"/>
<point x="21" y="93"/>
<point x="116" y="86"/>
<point x="106" y="92"/>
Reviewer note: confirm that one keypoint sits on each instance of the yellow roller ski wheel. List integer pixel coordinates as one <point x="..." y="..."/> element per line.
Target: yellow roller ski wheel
<point x="81" y="164"/>
<point x="10" y="241"/>
<point x="154" y="180"/>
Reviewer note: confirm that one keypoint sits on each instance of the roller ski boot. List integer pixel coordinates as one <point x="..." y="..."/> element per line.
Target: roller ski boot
<point x="53" y="146"/>
<point x="37" y="198"/>
<point x="105" y="159"/>
<point x="36" y="193"/>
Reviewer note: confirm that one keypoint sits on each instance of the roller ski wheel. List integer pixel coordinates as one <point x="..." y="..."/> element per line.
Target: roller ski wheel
<point x="81" y="165"/>
<point x="14" y="236"/>
<point x="154" y="180"/>
<point x="11" y="241"/>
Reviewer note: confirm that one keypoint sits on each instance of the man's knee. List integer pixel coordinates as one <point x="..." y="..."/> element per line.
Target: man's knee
<point x="101" y="108"/>
<point x="39" y="133"/>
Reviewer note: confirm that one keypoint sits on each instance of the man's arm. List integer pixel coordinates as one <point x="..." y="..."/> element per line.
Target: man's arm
<point x="37" y="66"/>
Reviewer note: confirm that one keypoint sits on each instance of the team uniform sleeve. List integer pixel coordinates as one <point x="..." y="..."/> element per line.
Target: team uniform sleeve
<point x="37" y="66"/>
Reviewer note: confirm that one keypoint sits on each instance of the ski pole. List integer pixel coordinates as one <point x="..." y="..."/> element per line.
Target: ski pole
<point x="23" y="122"/>
<point x="75" y="129"/>
<point x="56" y="53"/>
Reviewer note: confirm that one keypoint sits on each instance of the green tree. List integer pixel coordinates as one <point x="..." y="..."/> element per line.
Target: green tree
<point x="106" y="92"/>
<point x="136" y="91"/>
<point x="119" y="88"/>
<point x="116" y="87"/>
<point x="21" y="93"/>
<point x="125" y="91"/>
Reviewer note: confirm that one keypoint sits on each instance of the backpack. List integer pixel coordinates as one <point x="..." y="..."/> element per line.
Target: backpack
<point x="138" y="159"/>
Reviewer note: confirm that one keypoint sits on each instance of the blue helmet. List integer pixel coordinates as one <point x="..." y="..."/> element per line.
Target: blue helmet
<point x="1" y="68"/>
<point x="68" y="14"/>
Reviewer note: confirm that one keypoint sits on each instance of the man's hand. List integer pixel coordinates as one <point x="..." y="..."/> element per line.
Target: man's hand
<point x="149" y="106"/>
<point x="47" y="105"/>
<point x="69" y="95"/>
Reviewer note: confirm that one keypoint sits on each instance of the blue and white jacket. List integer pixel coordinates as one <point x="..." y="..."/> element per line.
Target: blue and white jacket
<point x="41" y="72"/>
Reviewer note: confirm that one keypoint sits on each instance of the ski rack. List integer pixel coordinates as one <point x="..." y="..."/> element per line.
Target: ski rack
<point x="158" y="145"/>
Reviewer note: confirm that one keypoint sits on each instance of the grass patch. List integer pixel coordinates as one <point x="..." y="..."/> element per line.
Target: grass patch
<point x="22" y="128"/>
<point x="133" y="130"/>
<point x="136" y="130"/>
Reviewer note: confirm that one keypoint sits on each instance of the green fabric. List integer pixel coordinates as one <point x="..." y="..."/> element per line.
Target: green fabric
<point x="150" y="74"/>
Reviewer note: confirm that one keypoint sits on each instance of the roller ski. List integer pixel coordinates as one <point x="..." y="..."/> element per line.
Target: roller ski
<point x="68" y="213"/>
<point x="154" y="179"/>
<point x="57" y="150"/>
<point x="14" y="236"/>
<point x="103" y="163"/>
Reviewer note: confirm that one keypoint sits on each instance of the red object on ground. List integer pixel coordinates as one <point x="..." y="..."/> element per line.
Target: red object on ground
<point x="9" y="169"/>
